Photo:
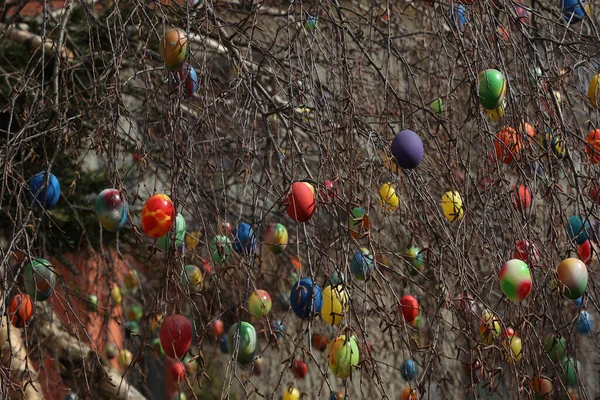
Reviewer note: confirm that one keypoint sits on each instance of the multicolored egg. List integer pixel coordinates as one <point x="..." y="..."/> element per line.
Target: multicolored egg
<point x="174" y="49"/>
<point x="542" y="387"/>
<point x="358" y="223"/>
<point x="508" y="145"/>
<point x="110" y="350"/>
<point x="259" y="303"/>
<point x="362" y="264"/>
<point x="176" y="336"/>
<point x="388" y="198"/>
<point x="515" y="280"/>
<point x="335" y="304"/>
<point x="521" y="198"/>
<point x="343" y="356"/>
<point x="165" y="241"/>
<point x="452" y="206"/>
<point x="39" y="279"/>
<point x="306" y="298"/>
<point x="44" y="196"/>
<point x="585" y="323"/>
<point x="300" y="202"/>
<point x="242" y="336"/>
<point x="527" y="252"/>
<point x="158" y="215"/>
<point x="489" y="328"/>
<point x="409" y="308"/>
<point x="191" y="277"/>
<point x="276" y="238"/>
<point x="409" y="393"/>
<point x="407" y="149"/>
<point x="409" y="370"/>
<point x="573" y="274"/>
<point x="20" y="310"/>
<point x="554" y="142"/>
<point x="593" y="146"/>
<point x="417" y="263"/>
<point x="497" y="113"/>
<point x="244" y="241"/>
<point x="134" y="312"/>
<point x="111" y="209"/>
<point x="220" y="249"/>
<point x="189" y="79"/>
<point x="492" y="88"/>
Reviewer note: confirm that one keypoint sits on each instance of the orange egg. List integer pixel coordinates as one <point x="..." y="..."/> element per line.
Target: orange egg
<point x="300" y="202"/>
<point x="521" y="198"/>
<point x="20" y="310"/>
<point x="507" y="144"/>
<point x="174" y="49"/>
<point x="593" y="146"/>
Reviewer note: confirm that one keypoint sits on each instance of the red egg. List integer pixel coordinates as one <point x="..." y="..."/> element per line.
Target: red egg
<point x="508" y="333"/>
<point x="329" y="191"/>
<point x="320" y="342"/>
<point x="528" y="252"/>
<point x="409" y="307"/>
<point x="157" y="215"/>
<point x="586" y="252"/>
<point x="178" y="371"/>
<point x="300" y="369"/>
<point x="216" y="327"/>
<point x="176" y="335"/>
<point x="300" y="202"/>
<point x="593" y="146"/>
<point x="521" y="198"/>
<point x="595" y="192"/>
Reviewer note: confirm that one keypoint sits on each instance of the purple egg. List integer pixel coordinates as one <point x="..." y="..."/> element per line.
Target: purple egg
<point x="407" y="149"/>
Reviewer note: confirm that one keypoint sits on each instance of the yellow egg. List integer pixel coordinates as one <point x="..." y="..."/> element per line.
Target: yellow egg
<point x="115" y="295"/>
<point x="389" y="163"/>
<point x="174" y="49"/>
<point x="452" y="206"/>
<point x="489" y="328"/>
<point x="594" y="92"/>
<point x="335" y="304"/>
<point x="291" y="394"/>
<point x="387" y="197"/>
<point x="514" y="348"/>
<point x="497" y="113"/>
<point x="125" y="358"/>
<point x="192" y="239"/>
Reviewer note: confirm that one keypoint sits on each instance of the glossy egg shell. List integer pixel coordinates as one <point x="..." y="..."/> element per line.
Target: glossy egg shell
<point x="176" y="336"/>
<point x="39" y="279"/>
<point x="174" y="49"/>
<point x="300" y="202"/>
<point x="573" y="274"/>
<point x="111" y="209"/>
<point x="492" y="88"/>
<point x="43" y="196"/>
<point x="158" y="215"/>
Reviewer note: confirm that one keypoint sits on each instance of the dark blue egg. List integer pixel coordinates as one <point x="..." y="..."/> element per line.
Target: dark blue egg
<point x="572" y="10"/>
<point x="578" y="229"/>
<point x="409" y="369"/>
<point x="362" y="264"/>
<point x="306" y="297"/>
<point x="244" y="240"/>
<point x="42" y="196"/>
<point x="222" y="341"/>
<point x="585" y="323"/>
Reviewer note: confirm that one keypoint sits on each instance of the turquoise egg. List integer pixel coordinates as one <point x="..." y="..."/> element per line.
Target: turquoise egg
<point x="180" y="227"/>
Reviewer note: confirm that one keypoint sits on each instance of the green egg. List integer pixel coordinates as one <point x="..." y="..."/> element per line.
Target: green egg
<point x="492" y="88"/>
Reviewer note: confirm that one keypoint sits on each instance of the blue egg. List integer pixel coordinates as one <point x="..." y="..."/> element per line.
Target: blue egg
<point x="578" y="230"/>
<point x="244" y="240"/>
<point x="362" y="264"/>
<point x="585" y="323"/>
<point x="337" y="278"/>
<point x="283" y="300"/>
<point x="222" y="341"/>
<point x="457" y="16"/>
<point x="278" y="328"/>
<point x="306" y="297"/>
<point x="409" y="370"/>
<point x="71" y="396"/>
<point x="42" y="196"/>
<point x="578" y="302"/>
<point x="572" y="10"/>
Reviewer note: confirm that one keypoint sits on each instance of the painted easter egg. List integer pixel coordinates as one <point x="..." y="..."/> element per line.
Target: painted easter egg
<point x="158" y="215"/>
<point x="507" y="145"/>
<point x="527" y="252"/>
<point x="165" y="241"/>
<point x="358" y="222"/>
<point x="300" y="202"/>
<point x="457" y="16"/>
<point x="320" y="342"/>
<point x="362" y="264"/>
<point x="593" y="146"/>
<point x="176" y="336"/>
<point x="554" y="347"/>
<point x="585" y="323"/>
<point x="189" y="79"/>
<point x="515" y="280"/>
<point x="92" y="303"/>
<point x="514" y="348"/>
<point x="496" y="114"/>
<point x="587" y="252"/>
<point x="409" y="308"/>
<point x="259" y="303"/>
<point x="20" y="310"/>
<point x="578" y="229"/>
<point x="191" y="277"/>
<point x="542" y="387"/>
<point x="554" y="142"/>
<point x="220" y="249"/>
<point x="329" y="192"/>
<point x="452" y="206"/>
<point x="415" y="257"/>
<point x="178" y="371"/>
<point x="111" y="209"/>
<point x="110" y="350"/>
<point x="39" y="279"/>
<point x="388" y="198"/>
<point x="438" y="106"/>
<point x="409" y="369"/>
<point x="125" y="359"/>
<point x="492" y="88"/>
<point x="174" y="49"/>
<point x="343" y="356"/>
<point x="521" y="198"/>
<point x="300" y="369"/>
<point x="407" y="149"/>
<point x="409" y="393"/>
<point x="335" y="304"/>
<point x="312" y="23"/>
<point x="572" y="10"/>
<point x="306" y="298"/>
<point x="276" y="238"/>
<point x="594" y="92"/>
<point x="44" y="196"/>
<point x="131" y="279"/>
<point x="489" y="327"/>
<point x="291" y="394"/>
<point x="134" y="312"/>
<point x="115" y="295"/>
<point x="242" y="336"/>
<point x="278" y="328"/>
<point x="216" y="327"/>
<point x="571" y="369"/>
<point x="244" y="241"/>
<point x="223" y="343"/>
